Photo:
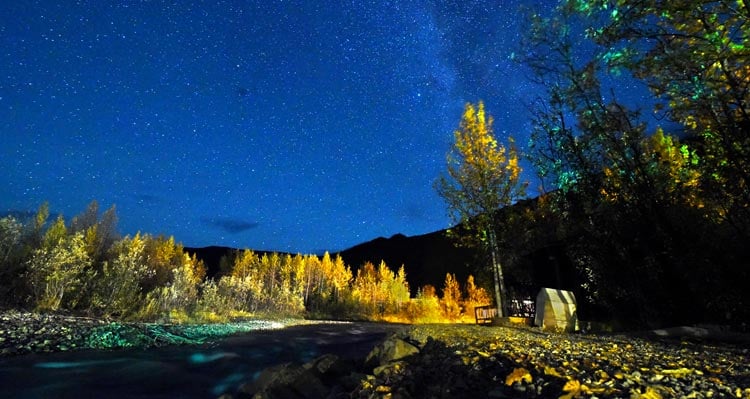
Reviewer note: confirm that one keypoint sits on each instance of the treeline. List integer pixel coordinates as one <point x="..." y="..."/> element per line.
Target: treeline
<point x="654" y="219"/>
<point x="84" y="267"/>
<point x="646" y="198"/>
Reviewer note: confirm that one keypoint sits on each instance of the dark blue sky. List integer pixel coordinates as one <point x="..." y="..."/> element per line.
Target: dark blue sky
<point x="283" y="125"/>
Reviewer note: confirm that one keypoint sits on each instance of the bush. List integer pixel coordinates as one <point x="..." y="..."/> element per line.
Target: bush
<point x="59" y="273"/>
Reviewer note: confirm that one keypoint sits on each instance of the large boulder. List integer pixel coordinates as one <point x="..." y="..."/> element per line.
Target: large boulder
<point x="316" y="379"/>
<point x="286" y="381"/>
<point x="392" y="349"/>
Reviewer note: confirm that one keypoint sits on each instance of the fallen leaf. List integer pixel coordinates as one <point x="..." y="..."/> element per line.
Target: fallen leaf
<point x="678" y="373"/>
<point x="548" y="370"/>
<point x="573" y="389"/>
<point x="518" y="375"/>
<point x="650" y="393"/>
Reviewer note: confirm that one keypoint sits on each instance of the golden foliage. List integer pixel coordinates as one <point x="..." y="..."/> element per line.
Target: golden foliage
<point x="482" y="174"/>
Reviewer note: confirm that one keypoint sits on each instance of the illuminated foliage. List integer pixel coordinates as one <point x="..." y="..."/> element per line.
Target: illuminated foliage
<point x="482" y="177"/>
<point x="55" y="234"/>
<point x="117" y="289"/>
<point x="178" y="298"/>
<point x="451" y="300"/>
<point x="425" y="308"/>
<point x="695" y="58"/>
<point x="99" y="233"/>
<point x="647" y="211"/>
<point x="154" y="279"/>
<point x="365" y="288"/>
<point x="58" y="272"/>
<point x="474" y="297"/>
<point x="163" y="255"/>
<point x="380" y="292"/>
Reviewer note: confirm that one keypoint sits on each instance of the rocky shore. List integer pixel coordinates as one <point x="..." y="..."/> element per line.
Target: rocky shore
<point x="437" y="361"/>
<point x="23" y="332"/>
<point x="500" y="362"/>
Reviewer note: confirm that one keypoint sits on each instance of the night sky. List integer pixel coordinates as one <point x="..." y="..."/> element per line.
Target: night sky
<point x="296" y="126"/>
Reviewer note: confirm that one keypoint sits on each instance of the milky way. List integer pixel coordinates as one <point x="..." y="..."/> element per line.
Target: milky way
<point x="293" y="126"/>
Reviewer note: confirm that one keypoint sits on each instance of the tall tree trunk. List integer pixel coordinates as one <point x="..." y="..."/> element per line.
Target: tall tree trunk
<point x="497" y="273"/>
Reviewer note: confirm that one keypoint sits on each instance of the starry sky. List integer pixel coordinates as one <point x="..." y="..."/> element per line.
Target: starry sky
<point x="297" y="126"/>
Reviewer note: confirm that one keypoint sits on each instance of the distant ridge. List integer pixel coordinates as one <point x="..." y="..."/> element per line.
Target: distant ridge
<point x="426" y="258"/>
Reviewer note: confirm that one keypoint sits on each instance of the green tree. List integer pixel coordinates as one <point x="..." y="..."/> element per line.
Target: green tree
<point x="695" y="58"/>
<point x="634" y="205"/>
<point x="483" y="177"/>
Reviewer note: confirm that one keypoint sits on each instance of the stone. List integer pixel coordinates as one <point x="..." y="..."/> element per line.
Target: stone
<point x="286" y="381"/>
<point x="329" y="368"/>
<point x="391" y="349"/>
<point x="389" y="369"/>
<point x="351" y="381"/>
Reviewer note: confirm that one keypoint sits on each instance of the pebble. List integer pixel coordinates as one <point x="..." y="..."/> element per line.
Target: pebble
<point x="627" y="367"/>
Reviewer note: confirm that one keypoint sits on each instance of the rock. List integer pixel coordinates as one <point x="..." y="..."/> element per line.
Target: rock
<point x="287" y="381"/>
<point x="389" y="369"/>
<point x="497" y="393"/>
<point x="391" y="349"/>
<point x="352" y="381"/>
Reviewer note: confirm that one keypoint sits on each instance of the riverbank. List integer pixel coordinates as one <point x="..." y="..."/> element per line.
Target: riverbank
<point x="442" y="361"/>
<point x="24" y="332"/>
<point x="415" y="361"/>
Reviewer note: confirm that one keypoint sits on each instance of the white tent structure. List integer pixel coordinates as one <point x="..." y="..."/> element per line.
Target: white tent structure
<point x="556" y="310"/>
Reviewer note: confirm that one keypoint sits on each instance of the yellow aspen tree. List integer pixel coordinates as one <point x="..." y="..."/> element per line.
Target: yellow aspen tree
<point x="298" y="276"/>
<point x="245" y="264"/>
<point x="475" y="296"/>
<point x="451" y="300"/>
<point x="365" y="285"/>
<point x="341" y="276"/>
<point x="482" y="177"/>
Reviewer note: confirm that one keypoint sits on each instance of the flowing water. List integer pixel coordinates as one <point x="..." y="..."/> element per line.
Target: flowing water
<point x="204" y="371"/>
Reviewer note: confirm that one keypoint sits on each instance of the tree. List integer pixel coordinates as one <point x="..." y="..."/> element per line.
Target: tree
<point x="117" y="289"/>
<point x="163" y="256"/>
<point x="366" y="287"/>
<point x="475" y="296"/>
<point x="451" y="300"/>
<point x="58" y="272"/>
<point x="11" y="233"/>
<point x="642" y="212"/>
<point x="483" y="176"/>
<point x="695" y="58"/>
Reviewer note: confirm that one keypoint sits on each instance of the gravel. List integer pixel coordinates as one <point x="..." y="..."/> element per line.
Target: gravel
<point x="23" y="332"/>
<point x="456" y="360"/>
<point x="502" y="362"/>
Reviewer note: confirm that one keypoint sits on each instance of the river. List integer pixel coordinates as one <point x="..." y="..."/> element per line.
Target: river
<point x="204" y="371"/>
